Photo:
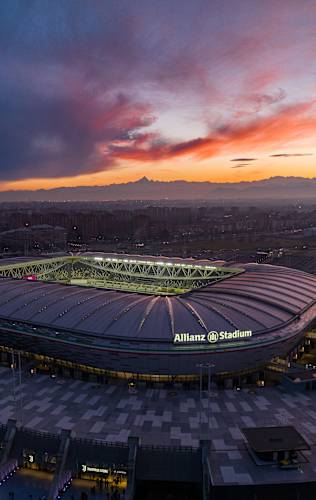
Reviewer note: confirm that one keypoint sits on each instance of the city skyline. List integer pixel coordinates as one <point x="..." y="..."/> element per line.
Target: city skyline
<point x="101" y="93"/>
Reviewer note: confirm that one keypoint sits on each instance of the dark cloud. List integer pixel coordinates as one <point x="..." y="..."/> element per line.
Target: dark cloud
<point x="287" y="155"/>
<point x="71" y="81"/>
<point x="242" y="165"/>
<point x="60" y="136"/>
<point x="244" y="159"/>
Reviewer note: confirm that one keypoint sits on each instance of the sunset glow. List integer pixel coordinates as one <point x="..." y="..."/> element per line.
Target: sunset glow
<point x="106" y="92"/>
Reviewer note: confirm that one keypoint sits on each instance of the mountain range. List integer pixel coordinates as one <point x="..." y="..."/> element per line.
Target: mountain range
<point x="274" y="188"/>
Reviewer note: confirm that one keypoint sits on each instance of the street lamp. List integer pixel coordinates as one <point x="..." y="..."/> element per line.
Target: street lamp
<point x="208" y="367"/>
<point x="18" y="404"/>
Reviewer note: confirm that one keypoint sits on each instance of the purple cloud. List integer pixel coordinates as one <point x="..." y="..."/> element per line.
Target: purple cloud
<point x="288" y="155"/>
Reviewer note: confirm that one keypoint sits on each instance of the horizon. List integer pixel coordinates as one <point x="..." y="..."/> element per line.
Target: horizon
<point x="96" y="95"/>
<point x="146" y="179"/>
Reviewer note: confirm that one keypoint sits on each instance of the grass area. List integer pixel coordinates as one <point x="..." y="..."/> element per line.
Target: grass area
<point x="130" y="287"/>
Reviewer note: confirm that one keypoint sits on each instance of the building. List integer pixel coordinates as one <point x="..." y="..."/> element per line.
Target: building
<point x="149" y="317"/>
<point x="32" y="239"/>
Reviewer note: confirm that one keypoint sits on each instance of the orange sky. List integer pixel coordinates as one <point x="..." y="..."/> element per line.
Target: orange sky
<point x="215" y="170"/>
<point x="109" y="95"/>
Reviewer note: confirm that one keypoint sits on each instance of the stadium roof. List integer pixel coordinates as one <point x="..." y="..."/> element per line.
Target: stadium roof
<point x="262" y="298"/>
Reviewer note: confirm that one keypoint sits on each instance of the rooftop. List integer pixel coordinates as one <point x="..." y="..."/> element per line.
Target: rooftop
<point x="260" y="298"/>
<point x="276" y="438"/>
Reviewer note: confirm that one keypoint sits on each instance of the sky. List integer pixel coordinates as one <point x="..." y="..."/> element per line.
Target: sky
<point x="96" y="92"/>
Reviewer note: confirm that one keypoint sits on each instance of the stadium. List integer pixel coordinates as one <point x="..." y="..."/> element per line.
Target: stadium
<point x="154" y="317"/>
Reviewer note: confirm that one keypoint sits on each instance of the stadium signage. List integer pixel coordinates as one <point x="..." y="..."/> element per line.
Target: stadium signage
<point x="88" y="468"/>
<point x="211" y="337"/>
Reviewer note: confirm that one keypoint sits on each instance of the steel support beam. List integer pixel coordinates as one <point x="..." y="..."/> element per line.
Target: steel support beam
<point x="152" y="277"/>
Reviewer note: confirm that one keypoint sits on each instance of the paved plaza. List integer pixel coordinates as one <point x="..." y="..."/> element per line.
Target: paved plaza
<point x="111" y="413"/>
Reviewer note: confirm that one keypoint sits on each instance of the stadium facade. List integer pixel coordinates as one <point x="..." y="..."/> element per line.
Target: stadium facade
<point x="154" y="317"/>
